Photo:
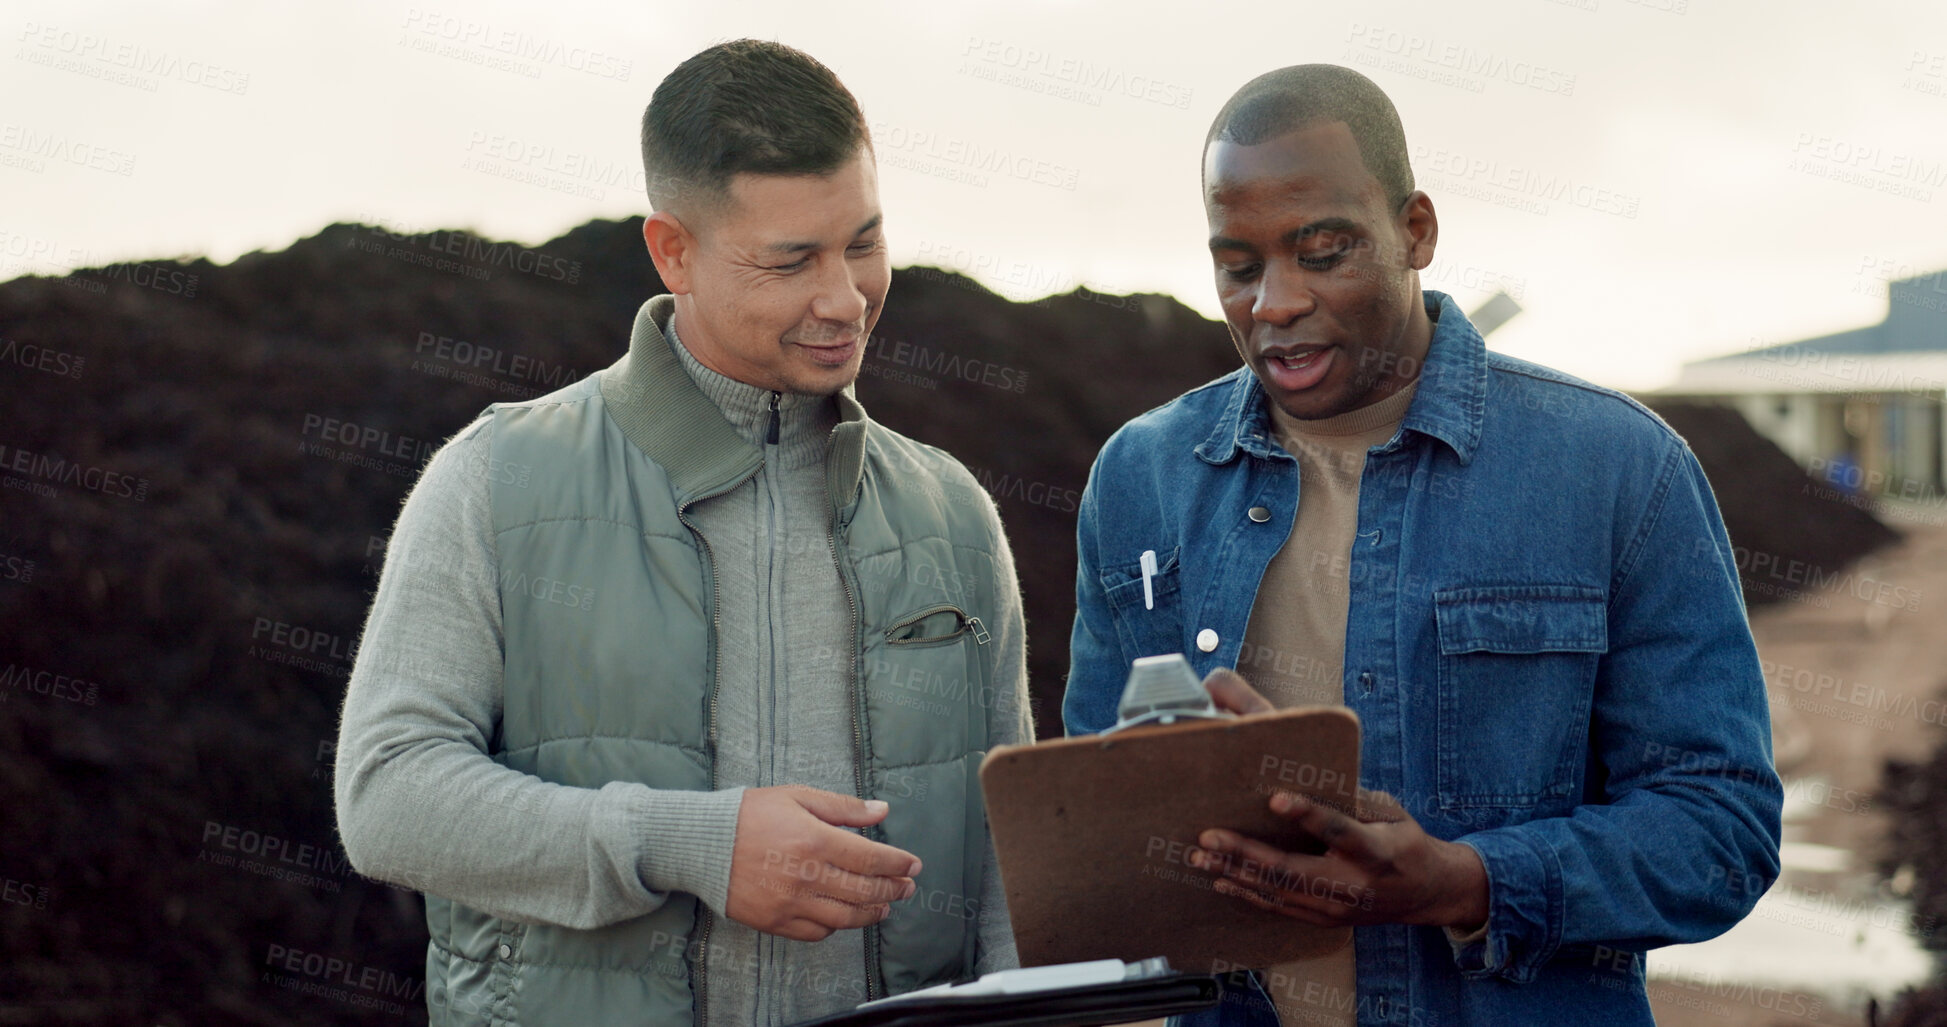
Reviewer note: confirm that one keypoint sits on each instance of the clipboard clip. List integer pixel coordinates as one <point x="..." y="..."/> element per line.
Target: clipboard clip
<point x="1164" y="690"/>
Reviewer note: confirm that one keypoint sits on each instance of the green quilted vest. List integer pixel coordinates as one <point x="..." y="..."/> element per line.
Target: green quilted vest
<point x="608" y="601"/>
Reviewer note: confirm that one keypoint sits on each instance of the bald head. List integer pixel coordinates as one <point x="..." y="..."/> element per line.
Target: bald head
<point x="1287" y="99"/>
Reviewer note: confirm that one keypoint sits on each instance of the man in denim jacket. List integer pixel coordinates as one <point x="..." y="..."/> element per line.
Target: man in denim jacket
<point x="1519" y="581"/>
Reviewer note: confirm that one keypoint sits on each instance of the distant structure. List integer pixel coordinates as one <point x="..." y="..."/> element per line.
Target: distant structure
<point x="1861" y="409"/>
<point x="1498" y="310"/>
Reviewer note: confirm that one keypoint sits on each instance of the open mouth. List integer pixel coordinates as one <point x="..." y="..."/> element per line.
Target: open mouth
<point x="1300" y="371"/>
<point x="1299" y="363"/>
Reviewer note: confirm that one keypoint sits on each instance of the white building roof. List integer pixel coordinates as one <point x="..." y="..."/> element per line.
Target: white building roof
<point x="1812" y="371"/>
<point x="1905" y="352"/>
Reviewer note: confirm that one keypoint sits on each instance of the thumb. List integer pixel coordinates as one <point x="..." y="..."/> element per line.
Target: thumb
<point x="841" y="810"/>
<point x="1231" y="692"/>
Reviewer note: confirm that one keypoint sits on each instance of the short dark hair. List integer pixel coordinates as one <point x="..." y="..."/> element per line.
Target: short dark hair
<point x="748" y="105"/>
<point x="1280" y="101"/>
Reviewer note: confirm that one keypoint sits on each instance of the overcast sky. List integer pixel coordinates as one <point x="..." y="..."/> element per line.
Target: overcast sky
<point x="1655" y="180"/>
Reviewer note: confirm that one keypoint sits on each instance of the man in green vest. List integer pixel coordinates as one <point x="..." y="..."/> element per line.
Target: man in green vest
<point x="675" y="687"/>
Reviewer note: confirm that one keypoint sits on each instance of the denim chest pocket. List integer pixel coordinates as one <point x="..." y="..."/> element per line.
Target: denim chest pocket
<point x="1150" y="625"/>
<point x="1517" y="670"/>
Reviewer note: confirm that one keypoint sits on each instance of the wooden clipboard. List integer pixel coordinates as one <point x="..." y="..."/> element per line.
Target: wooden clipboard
<point x="1092" y="836"/>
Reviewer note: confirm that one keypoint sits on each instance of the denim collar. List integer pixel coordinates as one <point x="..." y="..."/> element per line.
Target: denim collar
<point x="1446" y="406"/>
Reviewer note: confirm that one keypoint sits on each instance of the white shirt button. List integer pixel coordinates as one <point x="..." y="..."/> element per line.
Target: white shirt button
<point x="1207" y="640"/>
<point x="506" y="951"/>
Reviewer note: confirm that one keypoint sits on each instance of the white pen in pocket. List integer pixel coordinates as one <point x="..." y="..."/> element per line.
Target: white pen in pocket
<point x="1149" y="571"/>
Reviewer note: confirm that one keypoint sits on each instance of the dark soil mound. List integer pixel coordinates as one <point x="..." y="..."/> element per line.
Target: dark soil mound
<point x="1789" y="532"/>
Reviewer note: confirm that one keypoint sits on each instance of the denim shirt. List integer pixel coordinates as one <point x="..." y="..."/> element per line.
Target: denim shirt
<point x="1545" y="645"/>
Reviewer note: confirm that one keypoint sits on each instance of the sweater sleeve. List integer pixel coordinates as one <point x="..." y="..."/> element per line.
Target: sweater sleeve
<point x="1010" y="721"/>
<point x="420" y="801"/>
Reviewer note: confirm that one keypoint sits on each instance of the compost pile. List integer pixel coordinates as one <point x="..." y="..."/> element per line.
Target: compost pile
<point x="203" y="462"/>
<point x="1786" y="527"/>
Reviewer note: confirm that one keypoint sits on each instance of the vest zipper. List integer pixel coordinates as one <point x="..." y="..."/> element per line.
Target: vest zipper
<point x="700" y="992"/>
<point x="767" y="944"/>
<point x="875" y="986"/>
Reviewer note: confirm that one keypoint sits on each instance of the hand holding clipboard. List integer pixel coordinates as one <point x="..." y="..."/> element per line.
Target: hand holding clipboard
<point x="1094" y="834"/>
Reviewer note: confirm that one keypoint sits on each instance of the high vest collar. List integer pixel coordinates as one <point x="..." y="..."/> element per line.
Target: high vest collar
<point x="804" y="422"/>
<point x="663" y="412"/>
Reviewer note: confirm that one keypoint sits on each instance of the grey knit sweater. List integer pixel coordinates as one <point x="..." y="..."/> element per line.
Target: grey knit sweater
<point x="421" y="804"/>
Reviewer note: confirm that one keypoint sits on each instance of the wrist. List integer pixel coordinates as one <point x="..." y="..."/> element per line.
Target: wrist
<point x="688" y="839"/>
<point x="1465" y="908"/>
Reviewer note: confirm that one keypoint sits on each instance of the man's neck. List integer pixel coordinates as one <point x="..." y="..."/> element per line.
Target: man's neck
<point x="701" y="347"/>
<point x="804" y="423"/>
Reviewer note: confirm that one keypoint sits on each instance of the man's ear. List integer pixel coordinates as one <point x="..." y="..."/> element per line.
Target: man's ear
<point x="1422" y="228"/>
<point x="673" y="249"/>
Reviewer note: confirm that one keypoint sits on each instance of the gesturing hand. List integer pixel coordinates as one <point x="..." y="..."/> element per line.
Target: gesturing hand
<point x="795" y="872"/>
<point x="1381" y="868"/>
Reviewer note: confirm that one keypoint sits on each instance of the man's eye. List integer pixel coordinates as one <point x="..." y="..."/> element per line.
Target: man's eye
<point x="1240" y="272"/>
<point x="793" y="266"/>
<point x="1329" y="252"/>
<point x="863" y="248"/>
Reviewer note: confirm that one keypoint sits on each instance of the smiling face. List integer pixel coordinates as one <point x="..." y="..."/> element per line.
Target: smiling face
<point x="779" y="284"/>
<point x="1317" y="276"/>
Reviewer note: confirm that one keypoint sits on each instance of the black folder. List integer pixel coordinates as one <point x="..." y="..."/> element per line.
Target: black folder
<point x="1093" y="1004"/>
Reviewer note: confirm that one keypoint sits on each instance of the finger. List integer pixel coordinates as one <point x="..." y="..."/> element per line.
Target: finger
<point x="872" y="859"/>
<point x="802" y="929"/>
<point x="1338" y="831"/>
<point x="841" y="810"/>
<point x="1293" y="907"/>
<point x="1263" y="898"/>
<point x="860" y="890"/>
<point x="841" y="916"/>
<point x="1253" y="862"/>
<point x="1230" y="691"/>
<point x="1215" y="848"/>
<point x="1291" y="881"/>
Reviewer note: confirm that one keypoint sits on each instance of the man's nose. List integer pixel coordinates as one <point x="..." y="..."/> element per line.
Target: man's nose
<point x="839" y="297"/>
<point x="1282" y="295"/>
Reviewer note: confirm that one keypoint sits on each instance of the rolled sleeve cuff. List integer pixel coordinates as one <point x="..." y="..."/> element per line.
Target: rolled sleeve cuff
<point x="687" y="839"/>
<point x="1459" y="939"/>
<point x="1524" y="908"/>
